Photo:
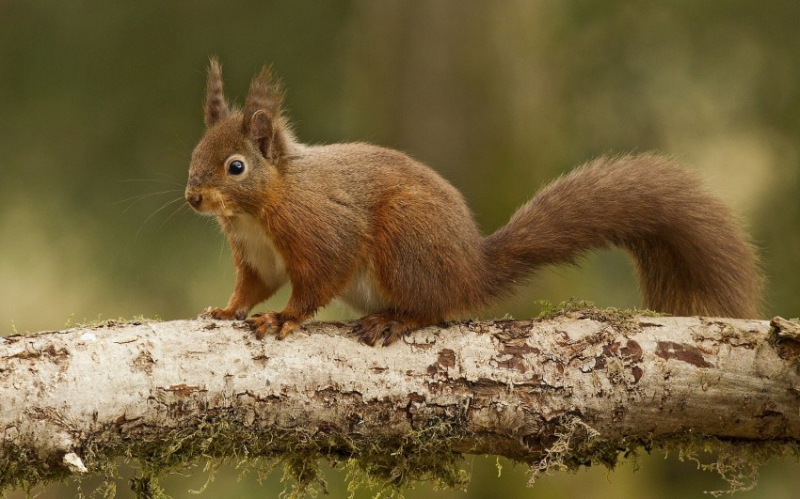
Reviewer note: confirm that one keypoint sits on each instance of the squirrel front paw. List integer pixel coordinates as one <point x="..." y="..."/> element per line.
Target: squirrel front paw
<point x="224" y="314"/>
<point x="271" y="323"/>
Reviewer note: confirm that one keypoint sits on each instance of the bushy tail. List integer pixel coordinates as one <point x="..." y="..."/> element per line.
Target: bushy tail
<point x="691" y="254"/>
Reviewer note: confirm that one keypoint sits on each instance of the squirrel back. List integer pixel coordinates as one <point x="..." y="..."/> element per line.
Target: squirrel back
<point x="395" y="240"/>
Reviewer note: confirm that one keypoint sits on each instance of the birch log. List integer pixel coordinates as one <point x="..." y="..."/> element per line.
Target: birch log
<point x="162" y="392"/>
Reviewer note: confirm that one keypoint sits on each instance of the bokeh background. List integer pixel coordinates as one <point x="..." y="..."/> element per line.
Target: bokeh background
<point x="100" y="106"/>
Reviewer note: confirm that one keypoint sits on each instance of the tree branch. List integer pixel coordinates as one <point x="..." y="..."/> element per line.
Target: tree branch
<point x="570" y="390"/>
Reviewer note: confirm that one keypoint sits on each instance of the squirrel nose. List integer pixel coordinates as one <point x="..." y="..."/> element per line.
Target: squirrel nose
<point x="194" y="198"/>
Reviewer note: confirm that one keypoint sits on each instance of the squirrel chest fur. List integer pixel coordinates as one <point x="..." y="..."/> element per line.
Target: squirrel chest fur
<point x="361" y="292"/>
<point x="393" y="239"/>
<point x="257" y="249"/>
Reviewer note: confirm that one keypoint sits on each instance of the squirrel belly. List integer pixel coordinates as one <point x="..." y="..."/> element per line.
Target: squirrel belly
<point x="392" y="238"/>
<point x="363" y="293"/>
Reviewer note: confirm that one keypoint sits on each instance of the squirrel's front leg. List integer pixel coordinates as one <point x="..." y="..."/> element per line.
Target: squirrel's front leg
<point x="247" y="293"/>
<point x="307" y="297"/>
<point x="272" y="322"/>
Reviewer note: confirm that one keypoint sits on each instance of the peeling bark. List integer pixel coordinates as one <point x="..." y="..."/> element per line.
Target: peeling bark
<point x="73" y="400"/>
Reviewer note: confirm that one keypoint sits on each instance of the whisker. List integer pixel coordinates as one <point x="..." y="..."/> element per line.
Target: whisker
<point x="179" y="208"/>
<point x="222" y="247"/>
<point x="180" y="152"/>
<point x="167" y="177"/>
<point x="221" y="200"/>
<point x="141" y="197"/>
<point x="168" y="203"/>
<point x="157" y="180"/>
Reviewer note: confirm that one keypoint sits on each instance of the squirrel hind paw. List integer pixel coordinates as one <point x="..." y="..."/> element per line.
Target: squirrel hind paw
<point x="382" y="329"/>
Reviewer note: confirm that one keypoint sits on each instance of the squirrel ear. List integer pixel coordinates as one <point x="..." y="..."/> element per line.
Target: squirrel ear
<point x="268" y="135"/>
<point x="216" y="107"/>
<point x="263" y="121"/>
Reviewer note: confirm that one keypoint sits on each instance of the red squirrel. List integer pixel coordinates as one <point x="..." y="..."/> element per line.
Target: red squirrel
<point x="396" y="241"/>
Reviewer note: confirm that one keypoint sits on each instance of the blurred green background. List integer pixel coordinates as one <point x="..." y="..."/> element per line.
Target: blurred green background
<point x="100" y="107"/>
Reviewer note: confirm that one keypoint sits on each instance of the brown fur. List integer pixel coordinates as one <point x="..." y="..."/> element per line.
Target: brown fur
<point x="216" y="107"/>
<point x="690" y="253"/>
<point x="395" y="240"/>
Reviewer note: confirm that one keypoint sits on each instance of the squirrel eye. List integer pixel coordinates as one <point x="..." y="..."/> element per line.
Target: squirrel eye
<point x="236" y="167"/>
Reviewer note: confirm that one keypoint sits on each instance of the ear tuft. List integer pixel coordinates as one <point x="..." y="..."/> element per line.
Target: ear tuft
<point x="265" y="94"/>
<point x="216" y="107"/>
<point x="263" y="120"/>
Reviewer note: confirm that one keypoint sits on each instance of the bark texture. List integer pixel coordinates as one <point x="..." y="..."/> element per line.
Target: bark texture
<point x="583" y="384"/>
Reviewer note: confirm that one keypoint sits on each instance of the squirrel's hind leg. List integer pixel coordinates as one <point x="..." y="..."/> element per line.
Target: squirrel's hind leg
<point x="387" y="327"/>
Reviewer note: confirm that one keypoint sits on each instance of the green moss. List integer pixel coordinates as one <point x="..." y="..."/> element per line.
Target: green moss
<point x="550" y="311"/>
<point x="736" y="462"/>
<point x="573" y="305"/>
<point x="97" y="323"/>
<point x="623" y="319"/>
<point x="146" y="487"/>
<point x="387" y="466"/>
<point x="424" y="455"/>
<point x="120" y="321"/>
<point x="20" y="469"/>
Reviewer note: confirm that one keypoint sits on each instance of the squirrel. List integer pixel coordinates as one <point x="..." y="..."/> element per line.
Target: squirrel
<point x="396" y="241"/>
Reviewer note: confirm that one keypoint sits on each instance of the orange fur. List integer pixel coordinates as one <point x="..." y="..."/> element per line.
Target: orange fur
<point x="396" y="241"/>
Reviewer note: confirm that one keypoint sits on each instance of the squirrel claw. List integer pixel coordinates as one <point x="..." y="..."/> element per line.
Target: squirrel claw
<point x="222" y="314"/>
<point x="271" y="323"/>
<point x="379" y="328"/>
<point x="286" y="328"/>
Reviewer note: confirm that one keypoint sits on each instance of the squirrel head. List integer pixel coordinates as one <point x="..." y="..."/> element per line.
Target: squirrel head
<point x="242" y="152"/>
